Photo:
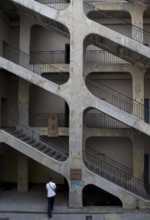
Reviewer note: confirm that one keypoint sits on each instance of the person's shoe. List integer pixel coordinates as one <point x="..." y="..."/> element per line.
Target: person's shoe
<point x="50" y="217"/>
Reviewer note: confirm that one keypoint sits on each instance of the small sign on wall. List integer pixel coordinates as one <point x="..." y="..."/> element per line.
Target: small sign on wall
<point x="52" y="125"/>
<point x="75" y="174"/>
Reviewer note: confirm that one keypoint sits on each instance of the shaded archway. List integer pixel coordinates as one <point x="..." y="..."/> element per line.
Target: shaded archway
<point x="94" y="196"/>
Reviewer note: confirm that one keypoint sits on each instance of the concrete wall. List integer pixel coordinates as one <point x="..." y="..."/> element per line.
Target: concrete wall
<point x="114" y="147"/>
<point x="46" y="40"/>
<point x="42" y="101"/>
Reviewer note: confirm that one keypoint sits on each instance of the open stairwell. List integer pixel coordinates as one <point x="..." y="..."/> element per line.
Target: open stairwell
<point x="29" y="143"/>
<point x="18" y="63"/>
<point x="126" y="46"/>
<point x="115" y="172"/>
<point x="121" y="107"/>
<point x="110" y="34"/>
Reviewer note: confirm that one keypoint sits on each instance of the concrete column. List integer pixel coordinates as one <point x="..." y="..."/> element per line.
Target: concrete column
<point x="22" y="173"/>
<point x="137" y="12"/>
<point x="25" y="26"/>
<point x="138" y="155"/>
<point x="23" y="87"/>
<point x="138" y="91"/>
<point x="23" y="101"/>
<point x="76" y="106"/>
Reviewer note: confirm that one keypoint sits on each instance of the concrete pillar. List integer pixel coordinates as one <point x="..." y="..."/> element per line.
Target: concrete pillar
<point x="138" y="155"/>
<point x="23" y="87"/>
<point x="23" y="101"/>
<point x="22" y="173"/>
<point x="25" y="26"/>
<point x="76" y="125"/>
<point x="137" y="12"/>
<point x="138" y="91"/>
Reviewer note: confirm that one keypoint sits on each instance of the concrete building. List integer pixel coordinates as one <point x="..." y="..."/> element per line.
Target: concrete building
<point x="74" y="89"/>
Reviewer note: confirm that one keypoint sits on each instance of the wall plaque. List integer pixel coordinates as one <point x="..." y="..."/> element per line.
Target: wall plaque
<point x="75" y="174"/>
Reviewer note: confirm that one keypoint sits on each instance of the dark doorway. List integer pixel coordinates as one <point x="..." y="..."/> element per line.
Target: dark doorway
<point x="146" y="168"/>
<point x="67" y="53"/>
<point x="146" y="110"/>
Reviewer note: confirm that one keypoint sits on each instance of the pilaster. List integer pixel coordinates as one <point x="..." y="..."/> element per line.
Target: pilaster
<point x="22" y="173"/>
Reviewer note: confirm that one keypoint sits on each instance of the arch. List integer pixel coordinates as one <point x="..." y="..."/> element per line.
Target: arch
<point x="43" y="104"/>
<point x="49" y="46"/>
<point x="94" y="196"/>
<point x="117" y="148"/>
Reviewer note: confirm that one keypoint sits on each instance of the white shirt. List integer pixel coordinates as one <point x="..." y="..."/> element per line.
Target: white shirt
<point x="51" y="187"/>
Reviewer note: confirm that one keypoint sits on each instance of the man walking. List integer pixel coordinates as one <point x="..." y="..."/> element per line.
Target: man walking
<point x="51" y="188"/>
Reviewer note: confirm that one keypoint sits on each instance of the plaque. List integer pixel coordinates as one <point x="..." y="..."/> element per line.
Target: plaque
<point x="75" y="174"/>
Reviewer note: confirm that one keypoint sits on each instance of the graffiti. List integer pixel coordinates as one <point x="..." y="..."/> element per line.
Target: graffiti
<point x="77" y="183"/>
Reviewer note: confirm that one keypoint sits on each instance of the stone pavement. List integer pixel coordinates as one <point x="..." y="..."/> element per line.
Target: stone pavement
<point x="33" y="206"/>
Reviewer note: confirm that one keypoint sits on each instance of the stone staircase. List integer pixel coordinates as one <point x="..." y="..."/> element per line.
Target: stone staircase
<point x="33" y="140"/>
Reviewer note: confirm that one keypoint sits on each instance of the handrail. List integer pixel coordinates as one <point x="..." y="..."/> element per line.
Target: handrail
<point x="120" y="175"/>
<point x="55" y="56"/>
<point x="117" y="99"/>
<point x="106" y="20"/>
<point x="97" y="120"/>
<point x="58" y="56"/>
<point x="102" y="157"/>
<point x="41" y="119"/>
<point x="91" y="120"/>
<point x="56" y="4"/>
<point x="101" y="56"/>
<point x="23" y="59"/>
<point x="7" y="124"/>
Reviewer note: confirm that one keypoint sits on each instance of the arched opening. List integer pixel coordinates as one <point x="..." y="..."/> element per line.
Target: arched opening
<point x="94" y="196"/>
<point x="15" y="174"/>
<point x="48" y="46"/>
<point x="114" y="88"/>
<point x="47" y="110"/>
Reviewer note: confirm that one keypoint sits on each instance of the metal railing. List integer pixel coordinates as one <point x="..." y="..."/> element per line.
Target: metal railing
<point x="117" y="99"/>
<point x="41" y="119"/>
<point x="48" y="56"/>
<point x="92" y="120"/>
<point x="56" y="4"/>
<point x="23" y="60"/>
<point x="119" y="25"/>
<point x="115" y="172"/>
<point x="62" y="143"/>
<point x="59" y="56"/>
<point x="10" y="125"/>
<point x="101" y="56"/>
<point x="97" y="120"/>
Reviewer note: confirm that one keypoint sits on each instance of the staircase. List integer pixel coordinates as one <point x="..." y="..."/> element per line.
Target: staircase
<point x="124" y="43"/>
<point x="32" y="139"/>
<point x="117" y="99"/>
<point x="114" y="172"/>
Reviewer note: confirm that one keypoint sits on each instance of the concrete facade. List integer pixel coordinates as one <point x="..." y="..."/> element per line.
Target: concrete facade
<point x="105" y="98"/>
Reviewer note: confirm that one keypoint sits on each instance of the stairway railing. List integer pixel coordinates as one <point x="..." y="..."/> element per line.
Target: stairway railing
<point x="114" y="171"/>
<point x="56" y="4"/>
<point x="26" y="134"/>
<point x="58" y="56"/>
<point x="97" y="120"/>
<point x="117" y="99"/>
<point x="119" y="25"/>
<point x="91" y="120"/>
<point x="23" y="59"/>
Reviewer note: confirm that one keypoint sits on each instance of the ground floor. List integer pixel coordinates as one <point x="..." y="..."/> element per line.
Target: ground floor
<point x="32" y="205"/>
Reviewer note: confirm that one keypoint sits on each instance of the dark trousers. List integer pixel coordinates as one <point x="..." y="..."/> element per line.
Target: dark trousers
<point x="50" y="206"/>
